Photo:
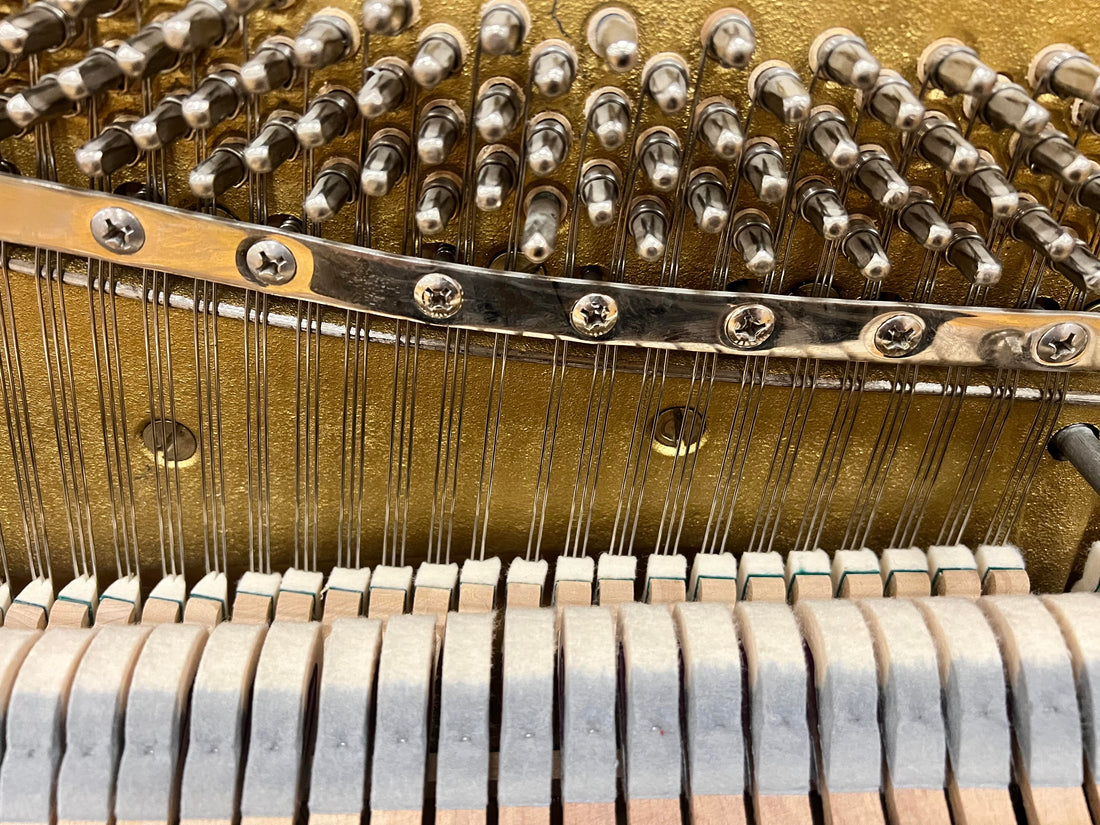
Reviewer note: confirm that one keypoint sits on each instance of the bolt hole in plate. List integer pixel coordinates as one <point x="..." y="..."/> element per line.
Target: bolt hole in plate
<point x="168" y="440"/>
<point x="679" y="431"/>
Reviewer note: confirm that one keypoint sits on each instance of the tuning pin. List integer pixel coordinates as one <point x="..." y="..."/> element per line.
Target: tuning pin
<point x="495" y="177"/>
<point x="762" y="167"/>
<point x="544" y="210"/>
<point x="218" y="98"/>
<point x="990" y="190"/>
<point x="223" y="169"/>
<point x="162" y="126"/>
<point x="327" y="38"/>
<point x="88" y="9"/>
<point x="891" y="101"/>
<point x="108" y="152"/>
<point x="385" y="87"/>
<point x="96" y="73"/>
<point x="608" y="114"/>
<point x="600" y="186"/>
<point x="547" y="143"/>
<point x="199" y="25"/>
<point x="821" y="207"/>
<point x="841" y="56"/>
<point x="706" y="195"/>
<point x="1008" y="106"/>
<point x="1088" y="194"/>
<point x="272" y="66"/>
<point x="1035" y="226"/>
<point x="940" y="142"/>
<point x="720" y="128"/>
<point x="1085" y="116"/>
<point x="553" y="68"/>
<point x="968" y="253"/>
<point x="40" y="103"/>
<point x="439" y="55"/>
<point x="329" y="116"/>
<point x="274" y="145"/>
<point x="777" y="88"/>
<point x="752" y="238"/>
<point x="439" y="200"/>
<point x="729" y="38"/>
<point x="1080" y="267"/>
<point x="146" y="54"/>
<point x="863" y="248"/>
<point x="1064" y="71"/>
<point x="336" y="186"/>
<point x="877" y="178"/>
<point x="498" y="109"/>
<point x="613" y="37"/>
<point x="38" y="28"/>
<point x="8" y="127"/>
<point x="504" y="26"/>
<point x="387" y="17"/>
<point x="659" y="158"/>
<point x="648" y="226"/>
<point x="920" y="219"/>
<point x="954" y="68"/>
<point x="665" y="79"/>
<point x="441" y="125"/>
<point x="828" y="137"/>
<point x="385" y="164"/>
<point x="1052" y="153"/>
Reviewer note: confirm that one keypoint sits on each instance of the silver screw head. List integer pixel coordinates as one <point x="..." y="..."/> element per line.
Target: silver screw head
<point x="438" y="295"/>
<point x="594" y="315"/>
<point x="899" y="335"/>
<point x="118" y="230"/>
<point x="1061" y="344"/>
<point x="748" y="326"/>
<point x="270" y="262"/>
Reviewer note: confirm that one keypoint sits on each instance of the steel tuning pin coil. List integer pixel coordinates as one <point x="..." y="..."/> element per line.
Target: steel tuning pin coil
<point x="719" y="128"/>
<point x="921" y="220"/>
<point x="547" y="143"/>
<point x="147" y="54"/>
<point x="840" y="55"/>
<point x="545" y="206"/>
<point x="939" y="141"/>
<point x="1033" y="225"/>
<point x="776" y="88"/>
<point x="659" y="157"/>
<point x="707" y="199"/>
<point x="1081" y="268"/>
<point x="386" y="87"/>
<point x="39" y="28"/>
<point x="762" y="167"/>
<point x="1008" y="107"/>
<point x="863" y="248"/>
<point x="328" y="37"/>
<point x="820" y="206"/>
<point x="388" y="17"/>
<point x="336" y="186"/>
<point x="876" y="176"/>
<point x="441" y="125"/>
<point x="990" y="190"/>
<point x="494" y="177"/>
<point x="40" y="103"/>
<point x="828" y="137"/>
<point x="648" y="226"/>
<point x="440" y="198"/>
<point x="386" y="162"/>
<point x="504" y="27"/>
<point x="272" y="66"/>
<point x="1066" y="72"/>
<point x="96" y="73"/>
<point x="330" y="115"/>
<point x="613" y="37"/>
<point x="218" y="98"/>
<point x="665" y="79"/>
<point x="163" y="126"/>
<point x="1053" y="154"/>
<point x="440" y="53"/>
<point x="200" y="25"/>
<point x="954" y="68"/>
<point x="1088" y="193"/>
<point x="109" y="151"/>
<point x="754" y="241"/>
<point x="968" y="253"/>
<point x="601" y="184"/>
<point x="498" y="109"/>
<point x="608" y="114"/>
<point x="223" y="169"/>
<point x="729" y="38"/>
<point x="891" y="100"/>
<point x="274" y="144"/>
<point x="553" y="68"/>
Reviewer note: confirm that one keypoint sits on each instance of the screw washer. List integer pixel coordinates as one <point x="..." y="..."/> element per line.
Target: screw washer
<point x="1060" y="344"/>
<point x="899" y="335"/>
<point x="270" y="262"/>
<point x="118" y="230"/>
<point x="594" y="315"/>
<point x="438" y="295"/>
<point x="748" y="326"/>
